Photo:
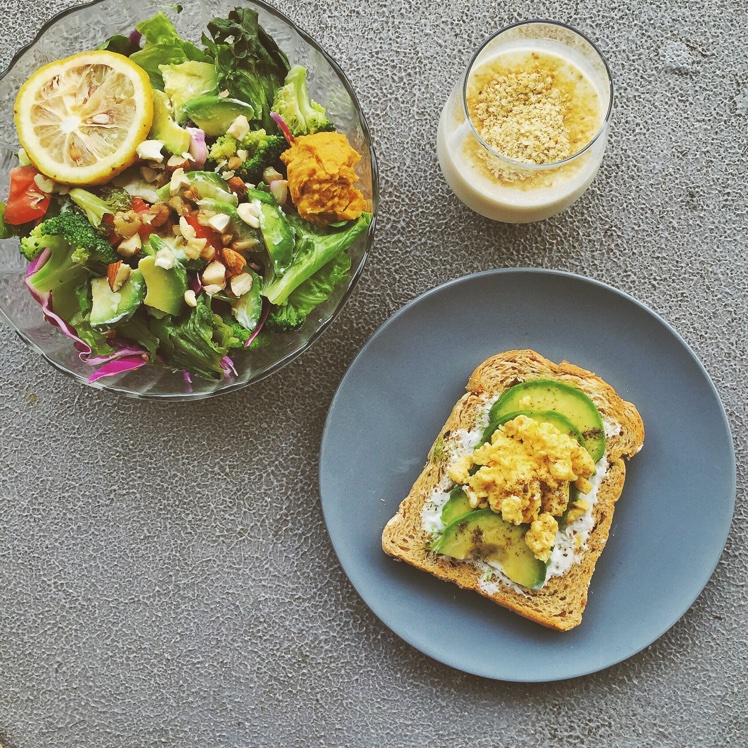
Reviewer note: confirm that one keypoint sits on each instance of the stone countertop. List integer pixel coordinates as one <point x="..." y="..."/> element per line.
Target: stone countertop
<point x="131" y="615"/>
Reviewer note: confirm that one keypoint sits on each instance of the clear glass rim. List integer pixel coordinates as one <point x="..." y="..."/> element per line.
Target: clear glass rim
<point x="224" y="388"/>
<point x="522" y="165"/>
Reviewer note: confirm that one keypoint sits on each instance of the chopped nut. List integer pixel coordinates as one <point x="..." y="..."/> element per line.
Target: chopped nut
<point x="219" y="222"/>
<point x="239" y="128"/>
<point x="208" y="253"/>
<point x="44" y="184"/>
<point x="214" y="273"/>
<point x="204" y="218"/>
<point x="237" y="186"/>
<point x="150" y="150"/>
<point x="213" y="288"/>
<point x="248" y="212"/>
<point x="234" y="261"/>
<point x="242" y="245"/>
<point x="131" y="246"/>
<point x="111" y="272"/>
<point x="241" y="284"/>
<point x="160" y="214"/>
<point x="150" y="175"/>
<point x="178" y="180"/>
<point x="177" y="162"/>
<point x="192" y="250"/>
<point x="227" y="174"/>
<point x="120" y="277"/>
<point x="127" y="223"/>
<point x="179" y="205"/>
<point x="227" y="239"/>
<point x="234" y="163"/>
<point x="187" y="231"/>
<point x="242" y="154"/>
<point x="165" y="259"/>
<point x="190" y="298"/>
<point x="271" y="174"/>
<point x="224" y="94"/>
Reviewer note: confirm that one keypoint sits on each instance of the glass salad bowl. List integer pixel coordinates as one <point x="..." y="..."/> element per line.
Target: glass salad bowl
<point x="85" y="28"/>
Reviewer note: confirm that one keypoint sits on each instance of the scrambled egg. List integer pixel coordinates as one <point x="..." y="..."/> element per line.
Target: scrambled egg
<point x="541" y="537"/>
<point x="524" y="474"/>
<point x="321" y="179"/>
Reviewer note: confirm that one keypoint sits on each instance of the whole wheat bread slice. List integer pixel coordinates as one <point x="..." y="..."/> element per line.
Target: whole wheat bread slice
<point x="559" y="604"/>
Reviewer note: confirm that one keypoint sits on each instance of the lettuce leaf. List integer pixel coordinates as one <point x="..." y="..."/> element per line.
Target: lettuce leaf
<point x="249" y="63"/>
<point x="163" y="46"/>
<point x="310" y="294"/>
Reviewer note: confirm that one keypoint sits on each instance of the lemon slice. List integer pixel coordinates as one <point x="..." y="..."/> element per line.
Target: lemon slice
<point x="81" y="119"/>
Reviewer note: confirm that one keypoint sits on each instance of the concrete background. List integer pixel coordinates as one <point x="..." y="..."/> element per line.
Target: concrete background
<point x="166" y="578"/>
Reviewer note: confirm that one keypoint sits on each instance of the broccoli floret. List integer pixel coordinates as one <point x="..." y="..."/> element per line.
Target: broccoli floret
<point x="262" y="149"/>
<point x="224" y="148"/>
<point x="260" y="341"/>
<point x="239" y="334"/>
<point x="79" y="234"/>
<point x="111" y="201"/>
<point x="285" y="319"/>
<point x="302" y="115"/>
<point x="34" y="244"/>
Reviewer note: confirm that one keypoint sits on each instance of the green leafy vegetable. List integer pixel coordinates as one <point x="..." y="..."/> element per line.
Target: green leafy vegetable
<point x="120" y="44"/>
<point x="197" y="343"/>
<point x="249" y="63"/>
<point x="315" y="248"/>
<point x="310" y="294"/>
<point x="163" y="46"/>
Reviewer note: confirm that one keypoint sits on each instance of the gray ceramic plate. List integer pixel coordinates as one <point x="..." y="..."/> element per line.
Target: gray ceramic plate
<point x="671" y="523"/>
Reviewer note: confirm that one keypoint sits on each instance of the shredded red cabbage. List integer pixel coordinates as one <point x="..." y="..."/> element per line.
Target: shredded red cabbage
<point x="119" y="366"/>
<point x="228" y="367"/>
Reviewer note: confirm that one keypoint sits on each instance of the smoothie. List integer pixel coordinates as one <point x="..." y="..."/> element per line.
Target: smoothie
<point x="524" y="136"/>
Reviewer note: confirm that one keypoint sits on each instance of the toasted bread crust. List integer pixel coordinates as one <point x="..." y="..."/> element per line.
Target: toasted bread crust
<point x="559" y="604"/>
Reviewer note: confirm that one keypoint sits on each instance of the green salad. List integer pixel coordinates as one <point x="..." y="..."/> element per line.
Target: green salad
<point x="178" y="201"/>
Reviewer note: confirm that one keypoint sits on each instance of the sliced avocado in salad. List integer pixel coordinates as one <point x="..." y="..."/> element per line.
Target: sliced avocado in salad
<point x="546" y="394"/>
<point x="277" y="234"/>
<point x="164" y="287"/>
<point x="206" y="185"/>
<point x="187" y="81"/>
<point x="176" y="139"/>
<point x="109" y="308"/>
<point x="215" y="114"/>
<point x="484" y="535"/>
<point x="247" y="310"/>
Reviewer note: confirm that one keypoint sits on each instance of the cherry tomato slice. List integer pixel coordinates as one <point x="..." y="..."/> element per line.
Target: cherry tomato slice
<point x="26" y="201"/>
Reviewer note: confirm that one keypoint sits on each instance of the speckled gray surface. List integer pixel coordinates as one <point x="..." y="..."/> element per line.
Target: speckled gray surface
<point x="166" y="576"/>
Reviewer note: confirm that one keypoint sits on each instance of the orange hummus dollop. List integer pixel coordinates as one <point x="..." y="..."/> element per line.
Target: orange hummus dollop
<point x="321" y="179"/>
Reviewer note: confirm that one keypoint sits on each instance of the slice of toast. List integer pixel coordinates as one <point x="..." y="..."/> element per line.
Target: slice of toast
<point x="560" y="602"/>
